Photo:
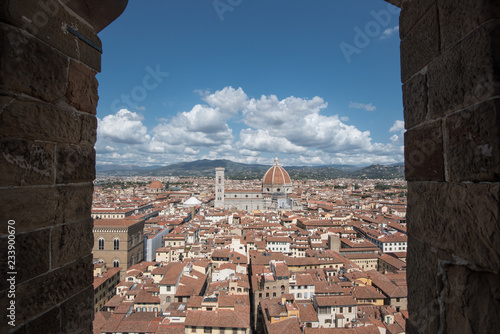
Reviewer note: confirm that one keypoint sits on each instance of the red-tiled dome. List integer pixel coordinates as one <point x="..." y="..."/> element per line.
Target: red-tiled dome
<point x="156" y="185"/>
<point x="276" y="175"/>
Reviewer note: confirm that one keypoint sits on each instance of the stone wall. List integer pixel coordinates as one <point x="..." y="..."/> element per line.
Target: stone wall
<point x="48" y="100"/>
<point x="449" y="68"/>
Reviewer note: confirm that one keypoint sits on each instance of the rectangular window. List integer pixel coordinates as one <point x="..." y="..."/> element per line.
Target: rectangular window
<point x="324" y="310"/>
<point x="207" y="330"/>
<point x="341" y="310"/>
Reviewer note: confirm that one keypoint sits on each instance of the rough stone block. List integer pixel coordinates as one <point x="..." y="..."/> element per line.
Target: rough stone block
<point x="424" y="153"/>
<point x="471" y="301"/>
<point x="74" y="203"/>
<point x="83" y="305"/>
<point x="47" y="20"/>
<point x="82" y="88"/>
<point x="29" y="263"/>
<point x="31" y="67"/>
<point x="461" y="219"/>
<point x="26" y="162"/>
<point x="89" y="55"/>
<point x="89" y="130"/>
<point x="465" y="74"/>
<point x="70" y="241"/>
<point x="422" y="286"/>
<point x="411" y="13"/>
<point x="459" y="18"/>
<point x="41" y="203"/>
<point x="75" y="164"/>
<point x="42" y="293"/>
<point x="420" y="46"/>
<point x="473" y="143"/>
<point x="40" y="121"/>
<point x="47" y="206"/>
<point x="415" y="100"/>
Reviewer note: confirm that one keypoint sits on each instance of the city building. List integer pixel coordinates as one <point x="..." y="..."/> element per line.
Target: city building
<point x="275" y="192"/>
<point x="118" y="242"/>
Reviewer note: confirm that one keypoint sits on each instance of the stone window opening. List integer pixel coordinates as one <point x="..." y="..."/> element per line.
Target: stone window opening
<point x="428" y="41"/>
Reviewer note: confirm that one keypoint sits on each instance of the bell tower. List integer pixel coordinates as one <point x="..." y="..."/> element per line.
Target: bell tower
<point x="219" y="187"/>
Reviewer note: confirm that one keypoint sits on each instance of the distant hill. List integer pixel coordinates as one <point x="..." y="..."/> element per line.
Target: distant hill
<point x="123" y="170"/>
<point x="206" y="167"/>
<point x="235" y="170"/>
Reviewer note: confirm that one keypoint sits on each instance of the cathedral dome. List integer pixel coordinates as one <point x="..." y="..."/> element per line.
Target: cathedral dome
<point x="156" y="185"/>
<point x="276" y="175"/>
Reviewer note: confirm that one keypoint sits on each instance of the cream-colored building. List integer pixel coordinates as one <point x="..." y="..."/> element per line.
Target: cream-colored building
<point x="118" y="242"/>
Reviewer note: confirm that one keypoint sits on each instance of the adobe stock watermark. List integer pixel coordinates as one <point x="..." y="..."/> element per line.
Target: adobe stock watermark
<point x="11" y="272"/>
<point x="223" y="6"/>
<point x="372" y="29"/>
<point x="139" y="93"/>
<point x="49" y="9"/>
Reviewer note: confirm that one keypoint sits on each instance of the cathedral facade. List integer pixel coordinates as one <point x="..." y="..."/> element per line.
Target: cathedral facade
<point x="274" y="194"/>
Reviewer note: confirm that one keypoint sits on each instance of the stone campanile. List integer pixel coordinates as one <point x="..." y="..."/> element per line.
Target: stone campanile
<point x="219" y="187"/>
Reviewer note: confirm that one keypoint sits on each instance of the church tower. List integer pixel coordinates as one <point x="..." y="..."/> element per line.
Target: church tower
<point x="219" y="187"/>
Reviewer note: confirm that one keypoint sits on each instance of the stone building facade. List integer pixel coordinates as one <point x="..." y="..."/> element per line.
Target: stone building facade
<point x="118" y="243"/>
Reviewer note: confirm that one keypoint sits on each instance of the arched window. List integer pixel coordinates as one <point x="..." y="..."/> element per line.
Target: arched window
<point x="101" y="243"/>
<point x="132" y="260"/>
<point x="139" y="256"/>
<point x="116" y="263"/>
<point x="116" y="244"/>
<point x="168" y="299"/>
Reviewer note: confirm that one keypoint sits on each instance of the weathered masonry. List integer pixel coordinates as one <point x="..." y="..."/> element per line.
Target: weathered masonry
<point x="49" y="56"/>
<point x="450" y="67"/>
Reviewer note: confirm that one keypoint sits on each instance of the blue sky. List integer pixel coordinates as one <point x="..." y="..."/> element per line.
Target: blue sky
<point x="316" y="82"/>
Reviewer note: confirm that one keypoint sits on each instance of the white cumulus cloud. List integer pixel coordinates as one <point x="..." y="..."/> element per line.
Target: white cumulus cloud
<point x="123" y="127"/>
<point x="389" y="32"/>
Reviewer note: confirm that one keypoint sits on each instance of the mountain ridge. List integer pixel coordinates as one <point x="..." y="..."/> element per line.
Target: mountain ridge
<point x="236" y="170"/>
